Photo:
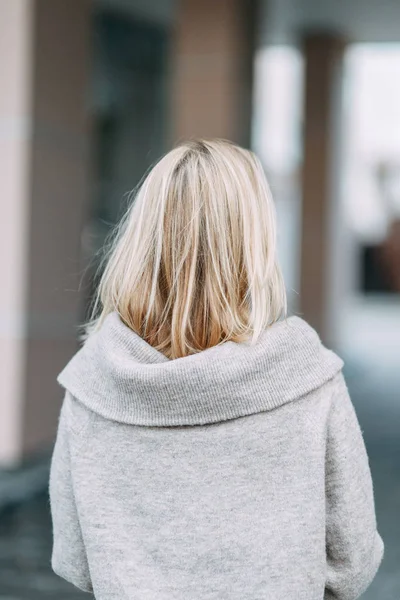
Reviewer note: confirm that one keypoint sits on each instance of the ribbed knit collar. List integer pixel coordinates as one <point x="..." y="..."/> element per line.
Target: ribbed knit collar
<point x="121" y="377"/>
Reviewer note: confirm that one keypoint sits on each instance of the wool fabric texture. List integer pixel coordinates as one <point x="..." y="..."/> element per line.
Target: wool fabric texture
<point x="238" y="473"/>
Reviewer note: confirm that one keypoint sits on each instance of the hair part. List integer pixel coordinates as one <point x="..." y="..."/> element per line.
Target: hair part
<point x="193" y="262"/>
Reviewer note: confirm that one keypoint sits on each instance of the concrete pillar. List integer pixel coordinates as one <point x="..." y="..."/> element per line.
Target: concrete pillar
<point x="43" y="194"/>
<point x="212" y="66"/>
<point x="320" y="277"/>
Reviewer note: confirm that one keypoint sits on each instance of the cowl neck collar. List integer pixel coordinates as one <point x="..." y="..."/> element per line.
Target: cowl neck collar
<point x="121" y="377"/>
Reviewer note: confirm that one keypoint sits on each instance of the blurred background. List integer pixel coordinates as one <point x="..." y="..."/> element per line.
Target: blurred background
<point x="92" y="93"/>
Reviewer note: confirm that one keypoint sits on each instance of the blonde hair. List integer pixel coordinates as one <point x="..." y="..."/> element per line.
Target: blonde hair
<point x="193" y="262"/>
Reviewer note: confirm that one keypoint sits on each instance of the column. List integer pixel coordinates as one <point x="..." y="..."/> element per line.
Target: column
<point x="43" y="195"/>
<point x="320" y="277"/>
<point x="212" y="66"/>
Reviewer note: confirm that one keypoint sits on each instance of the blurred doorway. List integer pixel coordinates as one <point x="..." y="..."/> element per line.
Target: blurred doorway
<point x="370" y="323"/>
<point x="128" y="97"/>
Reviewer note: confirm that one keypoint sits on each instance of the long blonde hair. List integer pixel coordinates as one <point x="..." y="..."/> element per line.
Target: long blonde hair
<point x="193" y="262"/>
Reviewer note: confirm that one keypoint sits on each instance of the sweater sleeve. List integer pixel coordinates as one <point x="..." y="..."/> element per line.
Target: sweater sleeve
<point x="68" y="558"/>
<point x="354" y="548"/>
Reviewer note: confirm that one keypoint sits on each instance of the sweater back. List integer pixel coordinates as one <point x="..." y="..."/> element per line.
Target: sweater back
<point x="239" y="473"/>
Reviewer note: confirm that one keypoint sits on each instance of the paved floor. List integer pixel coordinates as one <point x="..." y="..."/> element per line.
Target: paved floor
<point x="25" y="537"/>
<point x="25" y="543"/>
<point x="376" y="396"/>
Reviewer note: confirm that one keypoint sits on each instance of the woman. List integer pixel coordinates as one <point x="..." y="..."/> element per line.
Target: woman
<point x="207" y="446"/>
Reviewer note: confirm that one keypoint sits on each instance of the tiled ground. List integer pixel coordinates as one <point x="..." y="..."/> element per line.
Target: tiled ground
<point x="377" y="401"/>
<point x="25" y="537"/>
<point x="25" y="542"/>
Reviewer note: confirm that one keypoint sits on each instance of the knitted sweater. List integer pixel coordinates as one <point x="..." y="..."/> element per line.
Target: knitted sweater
<point x="238" y="473"/>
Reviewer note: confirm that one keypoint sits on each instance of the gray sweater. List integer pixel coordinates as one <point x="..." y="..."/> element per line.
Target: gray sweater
<point x="239" y="473"/>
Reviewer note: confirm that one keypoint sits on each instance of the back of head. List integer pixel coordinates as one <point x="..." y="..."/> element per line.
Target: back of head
<point x="193" y="262"/>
